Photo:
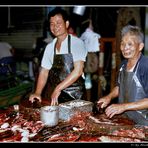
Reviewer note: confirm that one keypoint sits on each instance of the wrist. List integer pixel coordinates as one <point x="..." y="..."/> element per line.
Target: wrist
<point x="37" y="93"/>
<point x="58" y="89"/>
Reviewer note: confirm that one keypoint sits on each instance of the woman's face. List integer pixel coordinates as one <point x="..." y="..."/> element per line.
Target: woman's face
<point x="58" y="26"/>
<point x="130" y="46"/>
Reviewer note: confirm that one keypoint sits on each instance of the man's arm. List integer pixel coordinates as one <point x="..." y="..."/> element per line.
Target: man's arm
<point x="42" y="79"/>
<point x="104" y="101"/>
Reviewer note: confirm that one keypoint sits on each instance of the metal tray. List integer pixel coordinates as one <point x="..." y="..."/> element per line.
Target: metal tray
<point x="70" y="108"/>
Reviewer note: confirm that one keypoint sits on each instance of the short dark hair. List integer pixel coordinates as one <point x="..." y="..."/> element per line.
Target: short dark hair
<point x="60" y="11"/>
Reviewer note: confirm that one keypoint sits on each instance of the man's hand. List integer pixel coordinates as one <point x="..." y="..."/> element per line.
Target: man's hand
<point x="104" y="101"/>
<point x="114" y="109"/>
<point x="54" y="97"/>
<point x="33" y="97"/>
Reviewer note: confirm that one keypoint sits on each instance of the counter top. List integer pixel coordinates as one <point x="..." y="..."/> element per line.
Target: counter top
<point x="22" y="126"/>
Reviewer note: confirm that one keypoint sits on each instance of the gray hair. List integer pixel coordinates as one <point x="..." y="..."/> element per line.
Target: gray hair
<point x="133" y="30"/>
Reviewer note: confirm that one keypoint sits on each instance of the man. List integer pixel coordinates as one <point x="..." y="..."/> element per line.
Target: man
<point x="62" y="63"/>
<point x="132" y="88"/>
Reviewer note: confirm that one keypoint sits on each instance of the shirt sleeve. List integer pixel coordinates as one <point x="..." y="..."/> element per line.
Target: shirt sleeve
<point x="78" y="49"/>
<point x="8" y="45"/>
<point x="47" y="58"/>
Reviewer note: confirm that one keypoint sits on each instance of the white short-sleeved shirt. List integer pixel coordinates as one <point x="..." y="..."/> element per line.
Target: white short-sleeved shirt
<point x="77" y="49"/>
<point x="5" y="50"/>
<point x="91" y="40"/>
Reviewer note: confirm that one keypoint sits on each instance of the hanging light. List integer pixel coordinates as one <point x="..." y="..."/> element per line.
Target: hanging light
<point x="79" y="10"/>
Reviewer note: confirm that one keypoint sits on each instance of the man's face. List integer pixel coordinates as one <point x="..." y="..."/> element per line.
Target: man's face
<point x="130" y="46"/>
<point x="58" y="26"/>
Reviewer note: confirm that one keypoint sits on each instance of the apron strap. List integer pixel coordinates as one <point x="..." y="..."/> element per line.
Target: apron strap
<point x="136" y="67"/>
<point x="54" y="49"/>
<point x="69" y="44"/>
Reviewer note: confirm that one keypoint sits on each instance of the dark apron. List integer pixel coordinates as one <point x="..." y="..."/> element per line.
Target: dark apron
<point x="62" y="67"/>
<point x="131" y="90"/>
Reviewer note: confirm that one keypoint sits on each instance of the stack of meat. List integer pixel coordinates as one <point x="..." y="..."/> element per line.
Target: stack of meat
<point x="18" y="126"/>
